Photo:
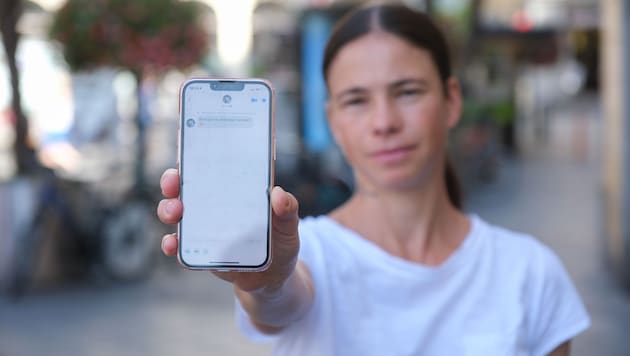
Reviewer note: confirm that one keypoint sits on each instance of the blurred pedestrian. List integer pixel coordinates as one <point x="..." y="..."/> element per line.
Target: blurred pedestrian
<point x="399" y="269"/>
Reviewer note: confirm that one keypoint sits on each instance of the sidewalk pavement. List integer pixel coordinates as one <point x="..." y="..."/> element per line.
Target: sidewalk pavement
<point x="176" y="312"/>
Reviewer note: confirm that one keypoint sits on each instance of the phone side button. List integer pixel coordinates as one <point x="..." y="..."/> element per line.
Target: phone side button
<point x="274" y="148"/>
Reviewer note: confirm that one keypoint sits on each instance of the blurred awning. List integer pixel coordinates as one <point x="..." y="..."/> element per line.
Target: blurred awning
<point x="537" y="15"/>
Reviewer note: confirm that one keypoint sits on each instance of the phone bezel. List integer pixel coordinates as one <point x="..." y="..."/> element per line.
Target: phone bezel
<point x="271" y="159"/>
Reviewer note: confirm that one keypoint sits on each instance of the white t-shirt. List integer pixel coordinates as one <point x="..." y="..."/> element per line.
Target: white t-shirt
<point x="500" y="293"/>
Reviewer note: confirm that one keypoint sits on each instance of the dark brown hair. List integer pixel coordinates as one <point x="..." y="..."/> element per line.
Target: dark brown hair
<point x="414" y="27"/>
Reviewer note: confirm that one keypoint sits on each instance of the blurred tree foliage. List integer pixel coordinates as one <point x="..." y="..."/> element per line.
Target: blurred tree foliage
<point x="497" y="112"/>
<point x="137" y="35"/>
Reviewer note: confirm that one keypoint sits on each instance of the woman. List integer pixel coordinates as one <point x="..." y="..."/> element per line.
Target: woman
<point x="398" y="269"/>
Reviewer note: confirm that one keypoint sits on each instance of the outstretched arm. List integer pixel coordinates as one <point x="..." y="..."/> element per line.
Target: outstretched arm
<point x="272" y="298"/>
<point x="562" y="350"/>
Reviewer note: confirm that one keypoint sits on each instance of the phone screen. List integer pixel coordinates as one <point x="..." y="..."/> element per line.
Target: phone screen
<point x="226" y="173"/>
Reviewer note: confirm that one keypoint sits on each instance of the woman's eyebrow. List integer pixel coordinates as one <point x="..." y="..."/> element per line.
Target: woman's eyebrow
<point x="350" y="91"/>
<point x="408" y="81"/>
<point x="396" y="84"/>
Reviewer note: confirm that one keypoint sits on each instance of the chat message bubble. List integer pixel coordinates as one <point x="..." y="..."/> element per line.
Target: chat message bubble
<point x="223" y="121"/>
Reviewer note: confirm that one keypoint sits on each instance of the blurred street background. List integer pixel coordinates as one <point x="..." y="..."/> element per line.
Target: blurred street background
<point x="88" y="122"/>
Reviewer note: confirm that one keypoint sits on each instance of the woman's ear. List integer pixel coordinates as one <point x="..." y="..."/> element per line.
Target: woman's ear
<point x="454" y="102"/>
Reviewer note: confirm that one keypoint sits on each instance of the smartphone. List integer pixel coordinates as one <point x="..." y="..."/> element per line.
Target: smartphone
<point x="226" y="162"/>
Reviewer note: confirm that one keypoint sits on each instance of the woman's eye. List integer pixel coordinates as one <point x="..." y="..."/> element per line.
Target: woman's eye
<point x="409" y="92"/>
<point x="353" y="102"/>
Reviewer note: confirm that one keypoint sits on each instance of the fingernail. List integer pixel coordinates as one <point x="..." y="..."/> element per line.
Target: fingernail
<point x="167" y="172"/>
<point x="168" y="207"/>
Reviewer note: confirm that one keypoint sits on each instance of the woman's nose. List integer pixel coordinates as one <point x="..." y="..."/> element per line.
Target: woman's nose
<point x="385" y="118"/>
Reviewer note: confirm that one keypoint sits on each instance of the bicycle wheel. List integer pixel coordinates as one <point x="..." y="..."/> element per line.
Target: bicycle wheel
<point x="129" y="245"/>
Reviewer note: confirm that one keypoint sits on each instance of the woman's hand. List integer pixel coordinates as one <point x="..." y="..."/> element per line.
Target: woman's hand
<point x="285" y="242"/>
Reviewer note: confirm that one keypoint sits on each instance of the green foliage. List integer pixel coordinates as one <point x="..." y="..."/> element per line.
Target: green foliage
<point x="133" y="34"/>
<point x="499" y="112"/>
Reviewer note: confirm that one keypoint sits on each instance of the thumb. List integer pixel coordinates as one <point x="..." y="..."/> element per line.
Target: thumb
<point x="285" y="213"/>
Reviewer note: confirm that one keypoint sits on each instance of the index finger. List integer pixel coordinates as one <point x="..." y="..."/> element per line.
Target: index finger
<point x="169" y="183"/>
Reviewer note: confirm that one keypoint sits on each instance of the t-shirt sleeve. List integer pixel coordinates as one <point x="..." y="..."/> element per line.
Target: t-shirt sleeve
<point x="307" y="255"/>
<point x="556" y="312"/>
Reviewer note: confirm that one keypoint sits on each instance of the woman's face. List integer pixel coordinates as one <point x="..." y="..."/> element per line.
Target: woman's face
<point x="388" y="111"/>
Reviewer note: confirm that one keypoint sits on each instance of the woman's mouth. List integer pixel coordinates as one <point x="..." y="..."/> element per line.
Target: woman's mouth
<point x="393" y="155"/>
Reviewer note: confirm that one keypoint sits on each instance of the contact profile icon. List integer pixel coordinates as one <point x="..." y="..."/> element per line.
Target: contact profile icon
<point x="190" y="122"/>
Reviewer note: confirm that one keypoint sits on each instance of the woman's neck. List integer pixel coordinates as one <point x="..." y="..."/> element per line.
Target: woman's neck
<point x="420" y="225"/>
